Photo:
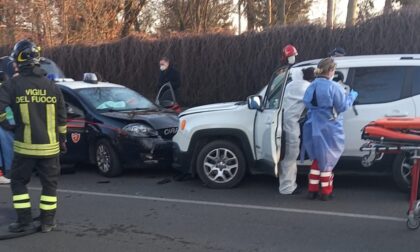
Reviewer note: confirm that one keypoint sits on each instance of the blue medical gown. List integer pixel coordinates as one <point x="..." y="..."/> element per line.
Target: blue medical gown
<point x="323" y="132"/>
<point x="6" y="148"/>
<point x="6" y="143"/>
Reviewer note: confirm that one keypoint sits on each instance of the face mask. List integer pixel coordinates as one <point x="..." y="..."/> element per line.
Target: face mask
<point x="163" y="67"/>
<point x="291" y="59"/>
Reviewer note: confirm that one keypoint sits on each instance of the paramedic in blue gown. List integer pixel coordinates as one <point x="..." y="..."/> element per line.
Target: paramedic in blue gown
<point x="323" y="132"/>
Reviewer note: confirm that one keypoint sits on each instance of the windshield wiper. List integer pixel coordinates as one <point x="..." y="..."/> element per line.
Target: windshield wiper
<point x="104" y="110"/>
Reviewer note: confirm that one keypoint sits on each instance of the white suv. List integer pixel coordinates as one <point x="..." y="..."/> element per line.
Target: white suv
<point x="222" y="142"/>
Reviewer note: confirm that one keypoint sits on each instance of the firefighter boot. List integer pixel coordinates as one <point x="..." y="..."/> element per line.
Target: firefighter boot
<point x="47" y="220"/>
<point x="313" y="180"/>
<point x="24" y="222"/>
<point x="326" y="186"/>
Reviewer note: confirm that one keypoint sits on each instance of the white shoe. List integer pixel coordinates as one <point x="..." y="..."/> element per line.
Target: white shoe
<point x="4" y="180"/>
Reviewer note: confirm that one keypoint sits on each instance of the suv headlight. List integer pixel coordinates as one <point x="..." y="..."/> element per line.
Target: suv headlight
<point x="139" y="130"/>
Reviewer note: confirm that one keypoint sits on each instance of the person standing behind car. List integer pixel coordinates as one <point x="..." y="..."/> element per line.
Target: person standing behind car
<point x="40" y="135"/>
<point x="6" y="135"/>
<point x="169" y="74"/>
<point x="337" y="52"/>
<point x="293" y="109"/>
<point x="4" y="140"/>
<point x="323" y="132"/>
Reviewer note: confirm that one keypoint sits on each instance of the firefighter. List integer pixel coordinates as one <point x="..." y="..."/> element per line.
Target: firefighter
<point x="288" y="56"/>
<point x="40" y="118"/>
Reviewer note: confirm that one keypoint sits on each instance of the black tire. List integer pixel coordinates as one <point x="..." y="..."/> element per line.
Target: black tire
<point x="106" y="159"/>
<point x="221" y="154"/>
<point x="401" y="173"/>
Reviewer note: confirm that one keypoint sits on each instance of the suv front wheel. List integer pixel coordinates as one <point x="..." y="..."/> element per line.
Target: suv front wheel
<point x="221" y="164"/>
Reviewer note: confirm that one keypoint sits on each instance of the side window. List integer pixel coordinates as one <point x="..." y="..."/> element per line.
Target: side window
<point x="378" y="84"/>
<point x="74" y="109"/>
<point x="415" y="81"/>
<point x="274" y="93"/>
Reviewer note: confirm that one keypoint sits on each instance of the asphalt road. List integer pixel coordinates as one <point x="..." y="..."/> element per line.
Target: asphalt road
<point x="140" y="212"/>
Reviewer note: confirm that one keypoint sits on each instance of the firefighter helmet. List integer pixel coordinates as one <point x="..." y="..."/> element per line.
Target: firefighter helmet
<point x="26" y="53"/>
<point x="289" y="51"/>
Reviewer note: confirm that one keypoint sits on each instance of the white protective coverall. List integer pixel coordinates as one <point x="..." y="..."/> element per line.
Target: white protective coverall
<point x="293" y="108"/>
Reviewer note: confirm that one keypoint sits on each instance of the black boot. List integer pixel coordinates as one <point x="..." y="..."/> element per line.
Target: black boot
<point x="24" y="222"/>
<point x="47" y="221"/>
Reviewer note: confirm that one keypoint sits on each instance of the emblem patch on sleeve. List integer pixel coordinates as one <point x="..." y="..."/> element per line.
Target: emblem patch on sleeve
<point x="75" y="137"/>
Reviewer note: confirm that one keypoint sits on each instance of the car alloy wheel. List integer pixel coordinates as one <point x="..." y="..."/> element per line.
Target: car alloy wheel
<point x="103" y="158"/>
<point x="221" y="165"/>
<point x="401" y="172"/>
<point x="406" y="171"/>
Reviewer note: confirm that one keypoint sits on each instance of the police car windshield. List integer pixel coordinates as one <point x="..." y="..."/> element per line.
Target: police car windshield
<point x="105" y="99"/>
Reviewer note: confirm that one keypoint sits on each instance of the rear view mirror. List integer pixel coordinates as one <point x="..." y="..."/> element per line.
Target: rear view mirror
<point x="254" y="102"/>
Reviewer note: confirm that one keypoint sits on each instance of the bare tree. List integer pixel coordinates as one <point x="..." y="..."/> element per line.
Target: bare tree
<point x="388" y="6"/>
<point x="196" y="15"/>
<point x="351" y="13"/>
<point x="132" y="10"/>
<point x="330" y="13"/>
<point x="270" y="12"/>
<point x="251" y="14"/>
<point x="281" y="12"/>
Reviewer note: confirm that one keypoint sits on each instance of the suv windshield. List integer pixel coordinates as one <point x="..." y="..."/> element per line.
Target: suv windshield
<point x="115" y="99"/>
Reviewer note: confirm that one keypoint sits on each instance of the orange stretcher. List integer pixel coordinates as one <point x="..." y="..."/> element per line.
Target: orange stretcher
<point x="396" y="135"/>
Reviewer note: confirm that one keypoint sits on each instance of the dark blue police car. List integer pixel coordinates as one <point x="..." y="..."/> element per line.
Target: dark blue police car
<point x="114" y="127"/>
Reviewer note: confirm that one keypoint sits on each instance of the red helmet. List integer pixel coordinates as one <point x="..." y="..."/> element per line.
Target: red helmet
<point x="289" y="51"/>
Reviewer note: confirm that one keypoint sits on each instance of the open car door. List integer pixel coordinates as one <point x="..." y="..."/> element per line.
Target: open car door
<point x="166" y="98"/>
<point x="268" y="124"/>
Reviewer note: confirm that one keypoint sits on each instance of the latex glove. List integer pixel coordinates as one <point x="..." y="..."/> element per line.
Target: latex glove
<point x="353" y="94"/>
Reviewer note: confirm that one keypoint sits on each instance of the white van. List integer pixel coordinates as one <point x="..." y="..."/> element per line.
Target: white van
<point x="222" y="142"/>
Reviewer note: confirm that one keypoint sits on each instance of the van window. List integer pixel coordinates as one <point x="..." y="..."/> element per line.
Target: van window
<point x="378" y="84"/>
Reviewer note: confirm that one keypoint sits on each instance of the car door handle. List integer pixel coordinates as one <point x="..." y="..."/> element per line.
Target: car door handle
<point x="396" y="114"/>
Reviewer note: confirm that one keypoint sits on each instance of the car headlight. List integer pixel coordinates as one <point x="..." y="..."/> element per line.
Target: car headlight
<point x="139" y="130"/>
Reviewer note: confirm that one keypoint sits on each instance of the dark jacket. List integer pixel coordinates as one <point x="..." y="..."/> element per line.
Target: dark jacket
<point x="39" y="111"/>
<point x="170" y="75"/>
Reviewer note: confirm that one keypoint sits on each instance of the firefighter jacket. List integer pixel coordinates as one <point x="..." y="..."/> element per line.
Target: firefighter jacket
<point x="39" y="111"/>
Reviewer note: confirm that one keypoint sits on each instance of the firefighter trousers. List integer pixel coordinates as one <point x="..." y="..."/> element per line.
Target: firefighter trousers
<point x="48" y="170"/>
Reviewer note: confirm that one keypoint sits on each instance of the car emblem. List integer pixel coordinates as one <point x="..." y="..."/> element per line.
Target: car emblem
<point x="170" y="131"/>
<point x="75" y="137"/>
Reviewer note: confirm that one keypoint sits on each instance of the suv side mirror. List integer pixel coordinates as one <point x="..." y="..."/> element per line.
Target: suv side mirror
<point x="254" y="102"/>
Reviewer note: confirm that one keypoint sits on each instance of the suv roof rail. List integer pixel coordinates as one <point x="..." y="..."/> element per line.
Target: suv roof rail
<point x="409" y="58"/>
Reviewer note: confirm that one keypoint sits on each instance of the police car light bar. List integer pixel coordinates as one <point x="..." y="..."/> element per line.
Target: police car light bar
<point x="90" y="78"/>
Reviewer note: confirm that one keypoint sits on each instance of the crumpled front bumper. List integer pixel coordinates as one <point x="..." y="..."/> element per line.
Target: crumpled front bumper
<point x="181" y="161"/>
<point x="145" y="151"/>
